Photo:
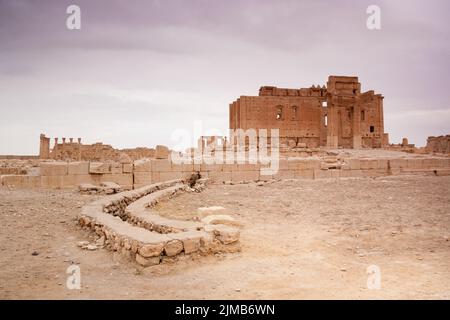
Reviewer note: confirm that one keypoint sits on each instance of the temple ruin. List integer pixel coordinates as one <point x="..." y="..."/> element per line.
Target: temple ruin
<point x="338" y="115"/>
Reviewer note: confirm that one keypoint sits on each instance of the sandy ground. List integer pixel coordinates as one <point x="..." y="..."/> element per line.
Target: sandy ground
<point x="300" y="239"/>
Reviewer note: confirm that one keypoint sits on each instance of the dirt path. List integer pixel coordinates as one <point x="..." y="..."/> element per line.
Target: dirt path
<point x="300" y="239"/>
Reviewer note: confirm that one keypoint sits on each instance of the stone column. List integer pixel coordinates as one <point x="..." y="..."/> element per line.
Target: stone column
<point x="356" y="125"/>
<point x="332" y="122"/>
<point x="44" y="147"/>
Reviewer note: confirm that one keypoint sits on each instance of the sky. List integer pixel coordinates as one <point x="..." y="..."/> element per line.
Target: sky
<point x="139" y="70"/>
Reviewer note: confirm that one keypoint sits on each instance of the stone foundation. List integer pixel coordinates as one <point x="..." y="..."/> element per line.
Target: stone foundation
<point x="129" y="226"/>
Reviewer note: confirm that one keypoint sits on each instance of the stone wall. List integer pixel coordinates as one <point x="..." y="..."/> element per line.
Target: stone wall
<point x="144" y="172"/>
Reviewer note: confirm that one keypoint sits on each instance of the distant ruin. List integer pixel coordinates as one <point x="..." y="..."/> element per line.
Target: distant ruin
<point x="70" y="150"/>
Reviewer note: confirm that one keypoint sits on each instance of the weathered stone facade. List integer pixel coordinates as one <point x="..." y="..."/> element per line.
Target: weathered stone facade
<point x="337" y="115"/>
<point x="439" y="144"/>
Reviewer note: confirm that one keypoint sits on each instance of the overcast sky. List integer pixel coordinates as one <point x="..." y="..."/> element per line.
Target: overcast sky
<point x="138" y="70"/>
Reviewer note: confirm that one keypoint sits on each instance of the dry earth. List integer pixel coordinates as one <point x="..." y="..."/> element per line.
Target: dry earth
<point x="300" y="239"/>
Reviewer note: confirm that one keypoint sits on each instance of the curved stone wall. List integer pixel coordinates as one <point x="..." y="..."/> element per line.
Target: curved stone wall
<point x="130" y="226"/>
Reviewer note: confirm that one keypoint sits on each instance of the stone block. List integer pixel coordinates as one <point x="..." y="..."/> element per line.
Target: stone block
<point x="52" y="182"/>
<point x="167" y="176"/>
<point x="99" y="167"/>
<point x="161" y="152"/>
<point x="173" y="247"/>
<point x="368" y="164"/>
<point x="116" y="168"/>
<point x="151" y="250"/>
<point x="143" y="165"/>
<point x="72" y="181"/>
<point x="284" y="174"/>
<point x="211" y="167"/>
<point x="248" y="167"/>
<point x="127" y="167"/>
<point x="354" y="164"/>
<point x="54" y="168"/>
<point x="382" y="164"/>
<point x="124" y="179"/>
<point x="78" y="168"/>
<point x="143" y="178"/>
<point x="398" y="163"/>
<point x="147" y="262"/>
<point x="191" y="245"/>
<point x="161" y="165"/>
<point x="304" y="174"/>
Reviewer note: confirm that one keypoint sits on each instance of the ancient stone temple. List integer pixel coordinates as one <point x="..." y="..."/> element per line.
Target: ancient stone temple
<point x="335" y="115"/>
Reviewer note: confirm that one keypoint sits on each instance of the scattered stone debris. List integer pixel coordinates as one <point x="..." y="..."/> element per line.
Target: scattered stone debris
<point x="104" y="188"/>
<point x="86" y="245"/>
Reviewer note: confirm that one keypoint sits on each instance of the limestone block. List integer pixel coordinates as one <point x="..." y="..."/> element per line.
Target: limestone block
<point x="161" y="165"/>
<point x="248" y="167"/>
<point x="304" y="174"/>
<point x="284" y="174"/>
<point x="116" y="168"/>
<point x="367" y="164"/>
<point x="161" y="152"/>
<point x="155" y="177"/>
<point x="143" y="165"/>
<point x="173" y="247"/>
<point x="313" y="164"/>
<point x="398" y="163"/>
<point x="81" y="167"/>
<point x="124" y="179"/>
<point x="143" y="178"/>
<point x="99" y="167"/>
<point x="72" y="181"/>
<point x="167" y="176"/>
<point x="211" y="167"/>
<point x="224" y="234"/>
<point x="413" y="164"/>
<point x="354" y="164"/>
<point x="191" y="245"/>
<point x="283" y="164"/>
<point x="382" y="164"/>
<point x="147" y="262"/>
<point x="127" y="167"/>
<point x="53" y="168"/>
<point x="229" y="167"/>
<point x="20" y="181"/>
<point x="151" y="250"/>
<point x="443" y="172"/>
<point x="52" y="182"/>
<point x="444" y="163"/>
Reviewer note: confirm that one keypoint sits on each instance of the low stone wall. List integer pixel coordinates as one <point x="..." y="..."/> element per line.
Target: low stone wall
<point x="128" y="226"/>
<point x="148" y="171"/>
